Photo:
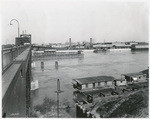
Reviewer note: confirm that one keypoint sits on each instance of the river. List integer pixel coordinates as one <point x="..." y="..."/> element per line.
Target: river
<point x="92" y="64"/>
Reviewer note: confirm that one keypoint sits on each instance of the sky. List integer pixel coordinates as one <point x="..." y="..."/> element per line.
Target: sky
<point x="55" y="21"/>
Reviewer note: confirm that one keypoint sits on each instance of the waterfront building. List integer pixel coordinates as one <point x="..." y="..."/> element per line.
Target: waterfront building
<point x="121" y="44"/>
<point x="114" y="45"/>
<point x="59" y="45"/>
<point x="146" y="72"/>
<point x="87" y="45"/>
<point x="79" y="47"/>
<point x="138" y="77"/>
<point x="102" y="45"/>
<point x="119" y="82"/>
<point x="96" y="82"/>
<point x="101" y="82"/>
<point x="140" y="46"/>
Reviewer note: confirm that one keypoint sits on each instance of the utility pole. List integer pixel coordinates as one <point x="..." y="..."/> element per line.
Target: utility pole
<point x="58" y="91"/>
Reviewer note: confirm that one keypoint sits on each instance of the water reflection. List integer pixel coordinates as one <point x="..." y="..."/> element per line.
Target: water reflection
<point x="56" y="65"/>
<point x="139" y="51"/>
<point x="80" y="60"/>
<point x="35" y="93"/>
<point x="42" y="66"/>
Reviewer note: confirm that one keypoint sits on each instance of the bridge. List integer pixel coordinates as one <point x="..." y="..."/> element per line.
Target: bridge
<point x="16" y="78"/>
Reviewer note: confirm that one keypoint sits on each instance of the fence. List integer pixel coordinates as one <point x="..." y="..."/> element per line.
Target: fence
<point x="9" y="54"/>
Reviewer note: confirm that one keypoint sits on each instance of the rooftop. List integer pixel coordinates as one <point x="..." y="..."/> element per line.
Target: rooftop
<point x="145" y="71"/>
<point x="122" y="79"/>
<point x="95" y="79"/>
<point x="133" y="74"/>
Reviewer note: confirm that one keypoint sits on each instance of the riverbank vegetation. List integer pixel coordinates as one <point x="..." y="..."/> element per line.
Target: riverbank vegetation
<point x="133" y="106"/>
<point x="48" y="109"/>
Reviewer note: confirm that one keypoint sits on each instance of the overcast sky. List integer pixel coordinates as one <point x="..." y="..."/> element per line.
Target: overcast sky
<point x="57" y="20"/>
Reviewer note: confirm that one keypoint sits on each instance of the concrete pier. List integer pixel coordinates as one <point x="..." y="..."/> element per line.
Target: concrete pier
<point x="42" y="66"/>
<point x="56" y="64"/>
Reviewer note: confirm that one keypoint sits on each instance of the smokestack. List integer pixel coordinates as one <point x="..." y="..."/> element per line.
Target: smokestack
<point x="25" y="31"/>
<point x="22" y="32"/>
<point x="69" y="42"/>
<point x="90" y="41"/>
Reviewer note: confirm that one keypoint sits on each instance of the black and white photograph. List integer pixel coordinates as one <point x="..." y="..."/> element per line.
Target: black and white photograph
<point x="74" y="58"/>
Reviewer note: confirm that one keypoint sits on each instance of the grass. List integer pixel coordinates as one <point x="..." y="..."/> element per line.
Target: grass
<point x="132" y="106"/>
<point x="48" y="109"/>
<point x="46" y="106"/>
<point x="103" y="110"/>
<point x="135" y="105"/>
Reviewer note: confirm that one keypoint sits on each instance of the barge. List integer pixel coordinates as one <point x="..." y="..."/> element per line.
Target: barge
<point x="56" y="54"/>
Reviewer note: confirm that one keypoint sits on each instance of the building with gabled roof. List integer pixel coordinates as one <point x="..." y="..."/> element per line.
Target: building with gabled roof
<point x="136" y="77"/>
<point x="88" y="83"/>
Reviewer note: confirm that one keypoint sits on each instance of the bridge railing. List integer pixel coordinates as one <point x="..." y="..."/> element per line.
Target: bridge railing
<point x="9" y="54"/>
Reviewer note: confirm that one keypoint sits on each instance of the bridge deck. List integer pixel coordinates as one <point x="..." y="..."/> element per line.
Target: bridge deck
<point x="8" y="76"/>
<point x="23" y="55"/>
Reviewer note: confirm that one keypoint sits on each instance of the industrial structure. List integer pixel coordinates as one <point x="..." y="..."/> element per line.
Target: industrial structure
<point x="23" y="39"/>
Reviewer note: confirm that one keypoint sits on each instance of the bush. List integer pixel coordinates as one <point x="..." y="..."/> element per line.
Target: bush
<point x="46" y="106"/>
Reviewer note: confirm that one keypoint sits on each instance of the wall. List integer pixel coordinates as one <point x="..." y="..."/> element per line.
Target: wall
<point x="119" y="83"/>
<point x="109" y="83"/>
<point x="142" y="78"/>
<point x="16" y="102"/>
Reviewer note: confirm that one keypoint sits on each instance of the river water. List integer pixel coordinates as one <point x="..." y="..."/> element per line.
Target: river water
<point x="92" y="64"/>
